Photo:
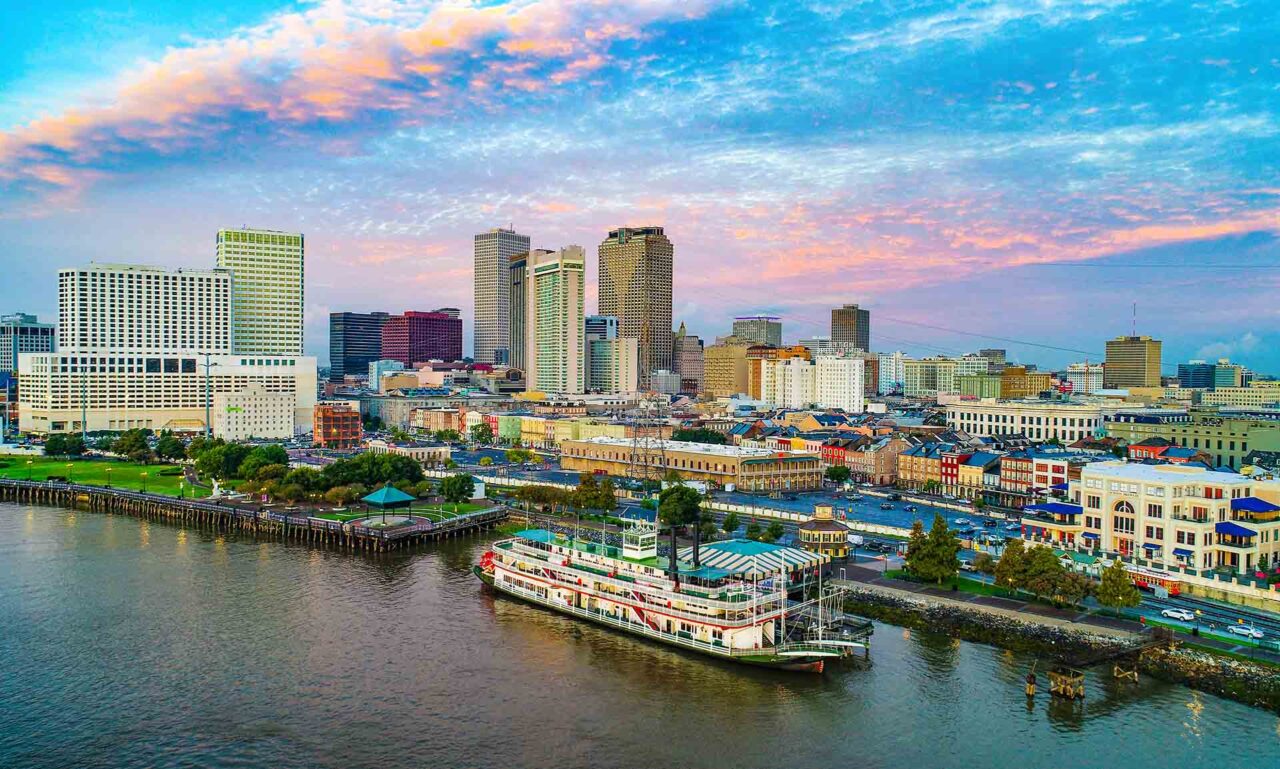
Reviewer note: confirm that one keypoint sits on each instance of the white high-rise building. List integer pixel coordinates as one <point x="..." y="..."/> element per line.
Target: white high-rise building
<point x="555" y="337"/>
<point x="267" y="294"/>
<point x="492" y="330"/>
<point x="147" y="347"/>
<point x="892" y="371"/>
<point x="614" y="365"/>
<point x="1085" y="377"/>
<point x="832" y="382"/>
<point x="839" y="382"/>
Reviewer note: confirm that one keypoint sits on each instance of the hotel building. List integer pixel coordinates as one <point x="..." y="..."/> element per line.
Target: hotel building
<point x="267" y="293"/>
<point x="1036" y="419"/>
<point x="555" y="336"/>
<point x="494" y="251"/>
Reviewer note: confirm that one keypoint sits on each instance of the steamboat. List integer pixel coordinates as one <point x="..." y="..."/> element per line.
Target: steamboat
<point x="743" y="615"/>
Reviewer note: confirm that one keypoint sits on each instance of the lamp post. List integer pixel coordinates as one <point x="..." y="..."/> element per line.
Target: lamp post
<point x="69" y="469"/>
<point x="143" y="478"/>
<point x="28" y="469"/>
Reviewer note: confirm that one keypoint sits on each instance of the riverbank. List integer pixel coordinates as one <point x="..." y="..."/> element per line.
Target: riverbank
<point x="1244" y="681"/>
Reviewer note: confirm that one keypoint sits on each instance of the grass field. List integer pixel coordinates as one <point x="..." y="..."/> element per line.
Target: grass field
<point x="433" y="512"/>
<point x="160" y="478"/>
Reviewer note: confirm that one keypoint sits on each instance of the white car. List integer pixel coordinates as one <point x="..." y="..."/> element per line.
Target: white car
<point x="1248" y="631"/>
<point x="1179" y="614"/>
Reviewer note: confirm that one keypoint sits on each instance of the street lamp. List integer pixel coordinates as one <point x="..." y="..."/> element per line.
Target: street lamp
<point x="143" y="477"/>
<point x="28" y="469"/>
<point x="108" y="471"/>
<point x="69" y="478"/>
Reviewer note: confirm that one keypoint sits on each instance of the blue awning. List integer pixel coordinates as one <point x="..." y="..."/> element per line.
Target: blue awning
<point x="1055" y="508"/>
<point x="1253" y="505"/>
<point x="1233" y="529"/>
<point x="1182" y="551"/>
<point x="1150" y="546"/>
<point x="1090" y="535"/>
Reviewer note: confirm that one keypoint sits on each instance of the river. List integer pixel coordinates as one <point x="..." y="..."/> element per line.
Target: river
<point x="133" y="644"/>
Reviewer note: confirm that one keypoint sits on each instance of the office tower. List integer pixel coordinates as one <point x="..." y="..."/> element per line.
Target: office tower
<point x="1132" y="361"/>
<point x="997" y="357"/>
<point x="494" y="252"/>
<point x="851" y="328"/>
<point x="635" y="287"/>
<point x="267" y="290"/>
<point x="355" y="340"/>
<point x="892" y="372"/>
<point x="554" y="323"/>
<point x="759" y="329"/>
<point x="687" y="360"/>
<point x="149" y="348"/>
<point x="665" y="382"/>
<point x="517" y="271"/>
<point x="1200" y="375"/>
<point x="21" y="333"/>
<point x="601" y="327"/>
<point x="725" y="367"/>
<point x="613" y="365"/>
<point x="818" y="345"/>
<point x="417" y="337"/>
<point x="757" y="354"/>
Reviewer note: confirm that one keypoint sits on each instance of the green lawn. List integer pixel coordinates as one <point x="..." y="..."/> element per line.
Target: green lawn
<point x="160" y="479"/>
<point x="442" y="512"/>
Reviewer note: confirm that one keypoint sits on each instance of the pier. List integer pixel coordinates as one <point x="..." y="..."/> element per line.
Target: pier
<point x="257" y="521"/>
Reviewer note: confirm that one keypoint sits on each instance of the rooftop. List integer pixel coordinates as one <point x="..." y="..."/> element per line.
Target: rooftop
<point x="743" y="452"/>
<point x="1161" y="473"/>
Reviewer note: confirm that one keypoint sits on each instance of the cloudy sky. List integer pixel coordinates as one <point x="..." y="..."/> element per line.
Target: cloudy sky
<point x="1017" y="169"/>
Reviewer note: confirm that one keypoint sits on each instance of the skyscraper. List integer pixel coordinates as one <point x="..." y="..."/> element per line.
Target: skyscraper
<point x="555" y="343"/>
<point x="267" y="291"/>
<point x="687" y="360"/>
<point x="635" y="287"/>
<point x="517" y="272"/>
<point x="851" y="328"/>
<point x="355" y="340"/>
<point x="759" y="329"/>
<point x="21" y="333"/>
<point x="493" y="260"/>
<point x="417" y="337"/>
<point x="1132" y="361"/>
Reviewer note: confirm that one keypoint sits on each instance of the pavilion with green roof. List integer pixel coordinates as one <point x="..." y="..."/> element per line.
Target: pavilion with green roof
<point x="388" y="498"/>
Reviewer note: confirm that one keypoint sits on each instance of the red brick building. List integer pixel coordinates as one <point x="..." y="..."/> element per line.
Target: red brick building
<point x="417" y="337"/>
<point x="337" y="426"/>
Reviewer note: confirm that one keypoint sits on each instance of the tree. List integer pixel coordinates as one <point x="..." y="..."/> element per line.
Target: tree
<point x="1041" y="572"/>
<point x="270" y="472"/>
<point x="486" y="461"/>
<point x="730" y="523"/>
<point x="984" y="563"/>
<point x="1073" y="588"/>
<point x="1116" y="590"/>
<point x="753" y="530"/>
<point x="773" y="533"/>
<point x="931" y="486"/>
<point x="222" y="461"/>
<point x="1008" y="572"/>
<point x="132" y="442"/>
<point x="917" y="549"/>
<point x="398" y="435"/>
<point x="678" y="506"/>
<point x="64" y="445"/>
<point x="340" y="495"/>
<point x="200" y="444"/>
<point x="707" y="530"/>
<point x="699" y="435"/>
<point x="292" y="493"/>
<point x="838" y="474"/>
<point x="941" y="554"/>
<point x="457" y="488"/>
<point x="519" y="456"/>
<point x="482" y="433"/>
<point x="448" y="436"/>
<point x="978" y="504"/>
<point x="170" y="447"/>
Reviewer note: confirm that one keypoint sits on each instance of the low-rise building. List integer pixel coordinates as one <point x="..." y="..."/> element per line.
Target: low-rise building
<point x="337" y="426"/>
<point x="434" y="420"/>
<point x="424" y="453"/>
<point x="748" y="469"/>
<point x="1039" y="420"/>
<point x="253" y="412"/>
<point x="824" y="534"/>
<point x="1227" y="436"/>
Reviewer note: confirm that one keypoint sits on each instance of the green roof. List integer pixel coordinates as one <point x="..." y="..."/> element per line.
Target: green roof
<point x="388" y="496"/>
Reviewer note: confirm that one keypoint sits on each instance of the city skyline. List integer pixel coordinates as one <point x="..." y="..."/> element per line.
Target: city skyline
<point x="932" y="185"/>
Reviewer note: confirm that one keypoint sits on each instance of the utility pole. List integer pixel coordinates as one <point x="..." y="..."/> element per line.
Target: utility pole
<point x="208" y="399"/>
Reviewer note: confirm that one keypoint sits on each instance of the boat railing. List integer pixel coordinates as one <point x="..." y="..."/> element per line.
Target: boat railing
<point x="756" y="595"/>
<point x="646" y="630"/>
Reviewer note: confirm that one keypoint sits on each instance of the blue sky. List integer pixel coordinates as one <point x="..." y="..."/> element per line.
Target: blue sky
<point x="1017" y="169"/>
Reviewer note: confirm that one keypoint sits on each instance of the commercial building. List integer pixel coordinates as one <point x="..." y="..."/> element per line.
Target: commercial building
<point x="759" y="329"/>
<point x="494" y="252"/>
<point x="555" y="341"/>
<point x="725" y="367"/>
<point x="380" y="368"/>
<point x="1172" y="516"/>
<point x="418" y="337"/>
<point x="268" y="290"/>
<point x="601" y="327"/>
<point x="665" y="382"/>
<point x="851" y="328"/>
<point x="818" y="345"/>
<point x="1260" y="394"/>
<point x="337" y="426"/>
<point x="1227" y="436"/>
<point x="635" y="287"/>
<point x="355" y="341"/>
<point x="928" y="377"/>
<point x="996" y="357"/>
<point x="687" y="360"/>
<point x="254" y="413"/>
<point x="893" y="373"/>
<point x="418" y="451"/>
<point x="829" y="382"/>
<point x="1084" y="378"/>
<point x="1016" y="382"/>
<point x="1201" y="375"/>
<point x="1038" y="420"/>
<point x="756" y="357"/>
<point x="978" y="385"/>
<point x="1132" y="361"/>
<point x="748" y="469"/>
<point x="823" y="534"/>
<point x="613" y="365"/>
<point x="21" y="333"/>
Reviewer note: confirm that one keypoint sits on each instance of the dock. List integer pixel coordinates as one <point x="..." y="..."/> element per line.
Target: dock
<point x="257" y="521"/>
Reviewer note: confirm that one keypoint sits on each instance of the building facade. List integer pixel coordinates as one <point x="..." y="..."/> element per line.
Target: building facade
<point x="1084" y="378"/>
<point x="555" y="336"/>
<point x="355" y="341"/>
<point x="635" y="287"/>
<point x="687" y="360"/>
<point x="1226" y="436"/>
<point x="418" y="337"/>
<point x="614" y="365"/>
<point x="851" y="328"/>
<point x="254" y="413"/>
<point x="268" y="289"/>
<point x="1132" y="361"/>
<point x="493" y="254"/>
<point x="759" y="329"/>
<point x="1038" y="420"/>
<point x="21" y="333"/>
<point x="337" y="426"/>
<point x="725" y="368"/>
<point x="1016" y="382"/>
<point x="748" y="469"/>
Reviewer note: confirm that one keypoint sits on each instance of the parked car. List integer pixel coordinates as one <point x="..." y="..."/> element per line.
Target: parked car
<point x="1248" y="631"/>
<point x="1178" y="614"/>
<point x="967" y="566"/>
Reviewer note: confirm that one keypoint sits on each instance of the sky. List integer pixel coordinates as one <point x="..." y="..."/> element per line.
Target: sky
<point x="1048" y="172"/>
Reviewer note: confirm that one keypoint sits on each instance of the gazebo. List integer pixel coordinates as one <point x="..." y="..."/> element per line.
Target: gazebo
<point x="388" y="498"/>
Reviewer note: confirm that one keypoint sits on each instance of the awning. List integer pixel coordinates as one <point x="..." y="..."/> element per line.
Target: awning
<point x="1183" y="552"/>
<point x="1233" y="529"/>
<point x="749" y="559"/>
<point x="1090" y="535"/>
<point x="1150" y="546"/>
